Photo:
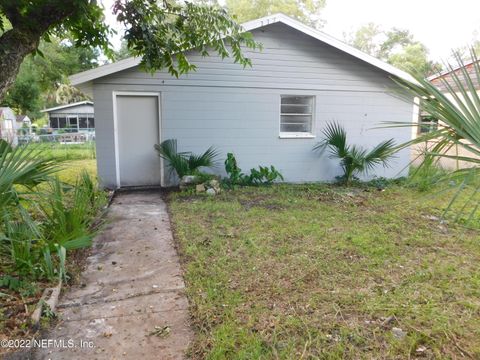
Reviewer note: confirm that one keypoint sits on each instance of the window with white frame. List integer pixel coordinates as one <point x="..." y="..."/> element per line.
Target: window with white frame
<point x="296" y="115"/>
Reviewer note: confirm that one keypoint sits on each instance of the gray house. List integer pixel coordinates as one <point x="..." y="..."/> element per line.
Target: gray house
<point x="271" y="113"/>
<point x="77" y="116"/>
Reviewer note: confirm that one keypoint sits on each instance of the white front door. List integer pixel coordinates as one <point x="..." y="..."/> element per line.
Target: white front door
<point x="137" y="121"/>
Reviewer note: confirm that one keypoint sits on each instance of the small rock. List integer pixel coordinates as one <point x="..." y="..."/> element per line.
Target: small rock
<point x="214" y="183"/>
<point x="421" y="349"/>
<point x="200" y="188"/>
<point x="443" y="229"/>
<point x="398" y="333"/>
<point x="188" y="180"/>
<point x="432" y="218"/>
<point x="211" y="192"/>
<point x="114" y="263"/>
<point x="99" y="267"/>
<point x="388" y="320"/>
<point x="160" y="331"/>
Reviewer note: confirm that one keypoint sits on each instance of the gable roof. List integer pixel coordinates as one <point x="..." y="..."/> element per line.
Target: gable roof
<point x="121" y="65"/>
<point x="86" y="102"/>
<point x="20" y="118"/>
<point x="450" y="70"/>
<point x="455" y="75"/>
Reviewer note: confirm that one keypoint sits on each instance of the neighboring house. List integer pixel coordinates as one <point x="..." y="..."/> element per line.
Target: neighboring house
<point x="272" y="113"/>
<point x="8" y="125"/>
<point x="429" y="123"/>
<point x="77" y="117"/>
<point x="23" y="122"/>
<point x="438" y="79"/>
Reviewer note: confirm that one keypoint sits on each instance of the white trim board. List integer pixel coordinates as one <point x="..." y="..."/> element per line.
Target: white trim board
<point x="90" y="75"/>
<point x="115" y="130"/>
<point x="86" y="102"/>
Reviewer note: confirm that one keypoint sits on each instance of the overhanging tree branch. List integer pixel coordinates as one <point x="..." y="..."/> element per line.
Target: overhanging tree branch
<point x="158" y="32"/>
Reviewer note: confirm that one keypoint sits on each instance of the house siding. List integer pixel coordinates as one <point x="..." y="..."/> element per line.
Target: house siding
<point x="79" y="109"/>
<point x="441" y="81"/>
<point x="238" y="110"/>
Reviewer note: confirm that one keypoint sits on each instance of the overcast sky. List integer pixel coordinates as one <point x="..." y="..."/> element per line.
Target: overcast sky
<point x="441" y="25"/>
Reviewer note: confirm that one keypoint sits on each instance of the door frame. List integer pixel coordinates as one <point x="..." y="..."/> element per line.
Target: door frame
<point x="115" y="94"/>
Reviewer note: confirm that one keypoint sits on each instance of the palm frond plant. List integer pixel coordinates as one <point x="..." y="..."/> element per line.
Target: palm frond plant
<point x="21" y="169"/>
<point x="185" y="163"/>
<point x="21" y="166"/>
<point x="456" y="106"/>
<point x="353" y="158"/>
<point x="67" y="213"/>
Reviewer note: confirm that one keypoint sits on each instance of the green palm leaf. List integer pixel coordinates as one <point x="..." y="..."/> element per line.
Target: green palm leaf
<point x="185" y="163"/>
<point x="21" y="166"/>
<point x="335" y="138"/>
<point x="457" y="109"/>
<point x="380" y="154"/>
<point x="207" y="159"/>
<point x="353" y="159"/>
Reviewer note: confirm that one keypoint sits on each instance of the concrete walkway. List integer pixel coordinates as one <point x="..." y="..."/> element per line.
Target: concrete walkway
<point x="131" y="304"/>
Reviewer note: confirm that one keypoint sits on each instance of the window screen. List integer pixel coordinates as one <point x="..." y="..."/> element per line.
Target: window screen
<point x="296" y="115"/>
<point x="428" y="124"/>
<point x="54" y="122"/>
<point x="83" y="123"/>
<point x="62" y="122"/>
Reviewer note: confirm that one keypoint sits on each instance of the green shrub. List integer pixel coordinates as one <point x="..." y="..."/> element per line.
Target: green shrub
<point x="34" y="243"/>
<point x="21" y="166"/>
<point x="263" y="176"/>
<point x="425" y="177"/>
<point x="13" y="283"/>
<point x="68" y="212"/>
<point x="455" y="105"/>
<point x="233" y="171"/>
<point x="185" y="163"/>
<point x="353" y="159"/>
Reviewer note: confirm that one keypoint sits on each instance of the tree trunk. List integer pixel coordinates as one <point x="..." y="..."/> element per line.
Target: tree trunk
<point x="15" y="45"/>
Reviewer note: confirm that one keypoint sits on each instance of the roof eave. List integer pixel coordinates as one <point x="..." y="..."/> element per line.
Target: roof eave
<point x="108" y="69"/>
<point x="67" y="106"/>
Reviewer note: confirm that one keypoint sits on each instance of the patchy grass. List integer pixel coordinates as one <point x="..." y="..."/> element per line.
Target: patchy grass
<point x="66" y="152"/>
<point x="70" y="170"/>
<point x="317" y="271"/>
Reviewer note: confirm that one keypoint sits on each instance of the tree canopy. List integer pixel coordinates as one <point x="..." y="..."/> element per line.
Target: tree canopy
<point x="395" y="46"/>
<point x="41" y="80"/>
<point x="160" y="32"/>
<point x="307" y="11"/>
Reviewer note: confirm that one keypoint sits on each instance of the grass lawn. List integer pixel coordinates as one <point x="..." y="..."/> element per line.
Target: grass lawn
<point x="71" y="169"/>
<point x="63" y="152"/>
<point x="317" y="271"/>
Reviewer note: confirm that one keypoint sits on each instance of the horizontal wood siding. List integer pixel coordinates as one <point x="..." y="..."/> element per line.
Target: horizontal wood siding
<point x="238" y="110"/>
<point x="79" y="109"/>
